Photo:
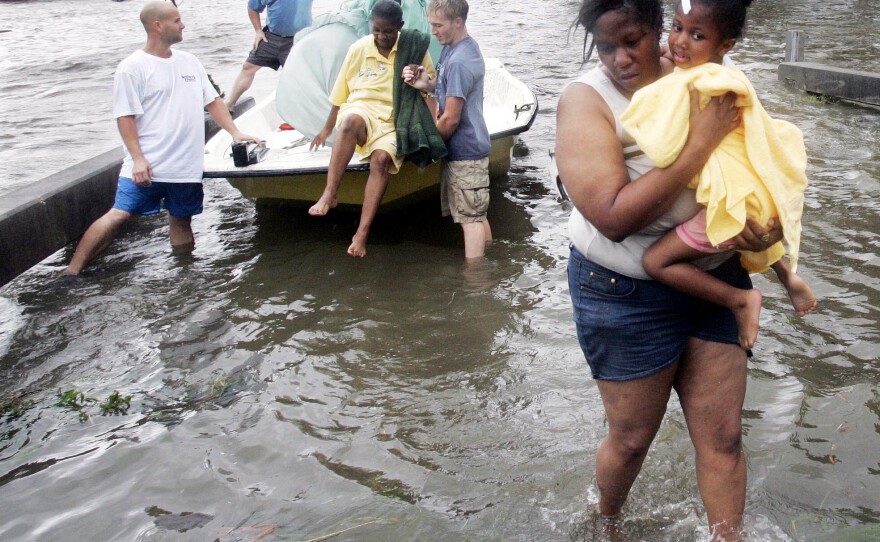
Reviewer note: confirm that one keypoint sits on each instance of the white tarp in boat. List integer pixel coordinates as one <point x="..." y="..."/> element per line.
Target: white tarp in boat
<point x="317" y="55"/>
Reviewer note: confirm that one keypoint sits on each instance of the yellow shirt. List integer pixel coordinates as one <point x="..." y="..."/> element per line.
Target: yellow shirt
<point x="758" y="170"/>
<point x="366" y="77"/>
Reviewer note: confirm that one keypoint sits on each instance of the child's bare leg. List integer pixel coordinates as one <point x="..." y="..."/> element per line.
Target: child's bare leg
<point x="802" y="297"/>
<point x="668" y="261"/>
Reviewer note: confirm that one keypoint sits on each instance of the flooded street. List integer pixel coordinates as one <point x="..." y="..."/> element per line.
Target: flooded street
<point x="282" y="390"/>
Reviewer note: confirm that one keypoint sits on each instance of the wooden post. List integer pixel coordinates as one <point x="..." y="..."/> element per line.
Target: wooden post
<point x="794" y="46"/>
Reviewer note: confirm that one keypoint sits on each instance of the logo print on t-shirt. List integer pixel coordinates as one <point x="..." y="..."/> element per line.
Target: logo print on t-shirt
<point x="189" y="78"/>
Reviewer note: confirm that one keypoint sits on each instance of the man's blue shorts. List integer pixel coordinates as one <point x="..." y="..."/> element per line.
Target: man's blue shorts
<point x="181" y="200"/>
<point x="630" y="328"/>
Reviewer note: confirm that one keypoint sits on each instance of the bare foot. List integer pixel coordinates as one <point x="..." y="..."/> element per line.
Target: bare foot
<point x="802" y="298"/>
<point x="747" y="317"/>
<point x="358" y="247"/>
<point x="66" y="280"/>
<point x="323" y="206"/>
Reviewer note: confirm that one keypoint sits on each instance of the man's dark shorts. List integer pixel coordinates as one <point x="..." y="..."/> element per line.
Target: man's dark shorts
<point x="272" y="53"/>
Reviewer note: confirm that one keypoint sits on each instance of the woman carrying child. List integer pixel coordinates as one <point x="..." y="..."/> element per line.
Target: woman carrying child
<point x="641" y="338"/>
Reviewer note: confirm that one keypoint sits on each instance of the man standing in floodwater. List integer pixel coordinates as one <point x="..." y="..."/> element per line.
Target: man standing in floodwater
<point x="272" y="43"/>
<point x="158" y="101"/>
<point x="464" y="185"/>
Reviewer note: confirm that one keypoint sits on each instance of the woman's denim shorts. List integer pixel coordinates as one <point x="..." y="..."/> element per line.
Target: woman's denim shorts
<point x="630" y="328"/>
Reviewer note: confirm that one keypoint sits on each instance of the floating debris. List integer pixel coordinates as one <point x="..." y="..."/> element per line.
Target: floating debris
<point x="182" y="522"/>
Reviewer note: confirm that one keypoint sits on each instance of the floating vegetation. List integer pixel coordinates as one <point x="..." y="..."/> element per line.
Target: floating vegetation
<point x="812" y="98"/>
<point x="116" y="404"/>
<point x="78" y="401"/>
<point x="217" y="386"/>
<point x="376" y="481"/>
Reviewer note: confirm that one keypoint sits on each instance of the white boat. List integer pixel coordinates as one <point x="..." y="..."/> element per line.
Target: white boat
<point x="290" y="171"/>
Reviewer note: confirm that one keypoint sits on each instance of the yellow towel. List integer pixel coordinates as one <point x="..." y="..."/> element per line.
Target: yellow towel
<point x="758" y="170"/>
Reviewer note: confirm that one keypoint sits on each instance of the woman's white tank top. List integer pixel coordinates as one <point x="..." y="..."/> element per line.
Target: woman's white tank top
<point x="625" y="257"/>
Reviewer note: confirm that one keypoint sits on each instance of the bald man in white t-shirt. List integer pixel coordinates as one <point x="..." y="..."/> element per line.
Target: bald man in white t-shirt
<point x="159" y="96"/>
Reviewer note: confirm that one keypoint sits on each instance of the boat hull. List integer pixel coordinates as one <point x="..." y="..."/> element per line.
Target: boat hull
<point x="411" y="184"/>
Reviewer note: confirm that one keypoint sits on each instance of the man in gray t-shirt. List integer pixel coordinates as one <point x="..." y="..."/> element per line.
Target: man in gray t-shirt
<point x="464" y="186"/>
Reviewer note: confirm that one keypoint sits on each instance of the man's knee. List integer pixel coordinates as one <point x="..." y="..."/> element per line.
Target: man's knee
<point x="249" y="68"/>
<point x="114" y="218"/>
<point x="180" y="222"/>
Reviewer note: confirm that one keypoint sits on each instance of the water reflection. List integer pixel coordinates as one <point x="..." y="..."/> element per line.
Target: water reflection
<point x="10" y="321"/>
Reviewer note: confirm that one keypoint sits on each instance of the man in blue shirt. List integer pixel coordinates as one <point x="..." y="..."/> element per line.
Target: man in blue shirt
<point x="464" y="185"/>
<point x="272" y="42"/>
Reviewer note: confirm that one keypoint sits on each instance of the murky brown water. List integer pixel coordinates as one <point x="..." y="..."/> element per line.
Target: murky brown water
<point x="281" y="390"/>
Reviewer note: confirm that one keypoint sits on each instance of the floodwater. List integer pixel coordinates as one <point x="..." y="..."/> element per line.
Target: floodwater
<point x="281" y="390"/>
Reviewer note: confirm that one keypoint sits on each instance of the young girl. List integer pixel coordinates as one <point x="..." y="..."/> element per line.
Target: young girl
<point x="758" y="171"/>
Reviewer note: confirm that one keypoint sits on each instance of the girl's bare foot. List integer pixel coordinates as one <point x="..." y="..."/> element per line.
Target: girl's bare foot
<point x="323" y="206"/>
<point x="802" y="298"/>
<point x="747" y="315"/>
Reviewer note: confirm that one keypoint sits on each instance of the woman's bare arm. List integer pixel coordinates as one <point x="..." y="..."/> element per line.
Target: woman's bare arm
<point x="591" y="165"/>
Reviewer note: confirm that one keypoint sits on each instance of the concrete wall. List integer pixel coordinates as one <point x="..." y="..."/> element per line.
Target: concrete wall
<point x="853" y="85"/>
<point x="38" y="220"/>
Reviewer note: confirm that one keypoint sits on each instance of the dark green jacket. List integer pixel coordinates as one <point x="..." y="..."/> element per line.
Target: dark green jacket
<point x="417" y="135"/>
